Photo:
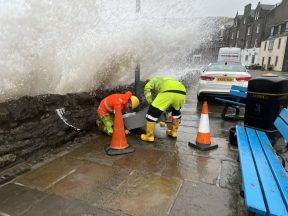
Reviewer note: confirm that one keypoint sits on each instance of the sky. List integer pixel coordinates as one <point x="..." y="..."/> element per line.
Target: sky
<point x="230" y="7"/>
<point x="162" y="8"/>
<point x="196" y="8"/>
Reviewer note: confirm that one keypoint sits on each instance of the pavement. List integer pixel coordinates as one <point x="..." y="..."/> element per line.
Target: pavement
<point x="164" y="178"/>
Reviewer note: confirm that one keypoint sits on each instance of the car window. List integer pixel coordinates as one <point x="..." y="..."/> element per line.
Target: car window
<point x="228" y="67"/>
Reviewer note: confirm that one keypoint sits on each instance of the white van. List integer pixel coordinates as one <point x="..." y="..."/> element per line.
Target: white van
<point x="229" y="54"/>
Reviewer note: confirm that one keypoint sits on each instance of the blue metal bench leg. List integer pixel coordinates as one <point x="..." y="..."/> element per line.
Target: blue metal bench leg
<point x="225" y="109"/>
<point x="237" y="111"/>
<point x="231" y="117"/>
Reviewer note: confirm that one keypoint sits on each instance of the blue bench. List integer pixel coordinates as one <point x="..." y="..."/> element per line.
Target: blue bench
<point x="264" y="179"/>
<point x="239" y="93"/>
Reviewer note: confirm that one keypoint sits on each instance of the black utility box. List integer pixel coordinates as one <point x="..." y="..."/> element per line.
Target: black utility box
<point x="265" y="99"/>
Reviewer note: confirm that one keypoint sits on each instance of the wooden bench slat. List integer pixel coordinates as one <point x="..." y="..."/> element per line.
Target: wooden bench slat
<point x="281" y="127"/>
<point x="284" y="115"/>
<point x="238" y="93"/>
<point x="229" y="101"/>
<point x="239" y="88"/>
<point x="254" y="200"/>
<point x="278" y="170"/>
<point x="269" y="186"/>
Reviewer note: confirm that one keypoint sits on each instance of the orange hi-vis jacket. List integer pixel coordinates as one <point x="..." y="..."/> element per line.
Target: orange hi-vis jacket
<point x="108" y="104"/>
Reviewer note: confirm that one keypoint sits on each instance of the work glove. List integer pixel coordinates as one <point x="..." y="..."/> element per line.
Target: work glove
<point x="148" y="97"/>
<point x="127" y="132"/>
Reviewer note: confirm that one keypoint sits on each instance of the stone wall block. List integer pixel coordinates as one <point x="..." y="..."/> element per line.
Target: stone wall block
<point x="4" y="114"/>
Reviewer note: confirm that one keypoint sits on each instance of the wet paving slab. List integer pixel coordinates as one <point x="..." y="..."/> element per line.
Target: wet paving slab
<point x="145" y="194"/>
<point x="230" y="176"/>
<point x="56" y="205"/>
<point x="91" y="183"/>
<point x="16" y="199"/>
<point x="204" y="199"/>
<point x="36" y="203"/>
<point x="49" y="174"/>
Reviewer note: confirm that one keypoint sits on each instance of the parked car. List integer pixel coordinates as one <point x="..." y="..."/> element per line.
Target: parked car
<point x="217" y="79"/>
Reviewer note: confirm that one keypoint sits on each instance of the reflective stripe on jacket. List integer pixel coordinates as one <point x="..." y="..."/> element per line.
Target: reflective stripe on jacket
<point x="108" y="104"/>
<point x="161" y="84"/>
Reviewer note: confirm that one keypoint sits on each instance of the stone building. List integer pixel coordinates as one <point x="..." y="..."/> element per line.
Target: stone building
<point x="248" y="32"/>
<point x="274" y="47"/>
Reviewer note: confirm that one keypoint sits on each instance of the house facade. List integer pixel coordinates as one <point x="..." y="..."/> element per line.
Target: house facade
<point x="273" y="54"/>
<point x="274" y="49"/>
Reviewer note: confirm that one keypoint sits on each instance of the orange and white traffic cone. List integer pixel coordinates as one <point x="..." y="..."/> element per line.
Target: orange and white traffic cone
<point x="203" y="140"/>
<point x="119" y="143"/>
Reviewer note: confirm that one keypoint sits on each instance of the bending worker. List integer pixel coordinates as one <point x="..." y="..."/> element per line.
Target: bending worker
<point x="107" y="106"/>
<point x="167" y="93"/>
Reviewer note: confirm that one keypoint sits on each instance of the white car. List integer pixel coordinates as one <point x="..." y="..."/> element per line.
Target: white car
<point x="217" y="79"/>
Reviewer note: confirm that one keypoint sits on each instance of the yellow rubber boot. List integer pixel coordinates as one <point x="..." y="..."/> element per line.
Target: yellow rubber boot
<point x="173" y="132"/>
<point x="149" y="136"/>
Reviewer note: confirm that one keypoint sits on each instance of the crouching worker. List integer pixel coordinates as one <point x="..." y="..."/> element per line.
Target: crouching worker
<point x="107" y="106"/>
<point x="166" y="92"/>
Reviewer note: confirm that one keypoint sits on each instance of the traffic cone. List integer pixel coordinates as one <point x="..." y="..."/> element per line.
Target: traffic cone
<point x="119" y="143"/>
<point x="203" y="141"/>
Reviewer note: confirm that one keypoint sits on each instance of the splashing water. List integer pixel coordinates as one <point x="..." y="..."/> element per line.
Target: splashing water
<point x="53" y="46"/>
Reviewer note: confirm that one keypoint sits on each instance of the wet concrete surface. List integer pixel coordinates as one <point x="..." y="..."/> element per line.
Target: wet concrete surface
<point x="162" y="178"/>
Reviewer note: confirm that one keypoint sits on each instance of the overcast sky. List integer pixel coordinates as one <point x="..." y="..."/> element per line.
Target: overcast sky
<point x="196" y="8"/>
<point x="158" y="8"/>
<point x="230" y="7"/>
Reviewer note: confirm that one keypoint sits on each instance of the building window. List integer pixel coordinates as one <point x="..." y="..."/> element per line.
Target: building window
<point x="258" y="28"/>
<point x="271" y="44"/>
<point x="253" y="59"/>
<point x="276" y="61"/>
<point x="249" y="30"/>
<point x="263" y="60"/>
<point x="238" y="34"/>
<point x="269" y="61"/>
<point x="275" y="30"/>
<point x="265" y="45"/>
<point x="246" y="45"/>
<point x="283" y="26"/>
<point x="272" y="31"/>
<point x="257" y="15"/>
<point x="279" y="29"/>
<point x="256" y="43"/>
<point x="244" y="21"/>
<point x="246" y="58"/>
<point x="232" y="36"/>
<point x="279" y="43"/>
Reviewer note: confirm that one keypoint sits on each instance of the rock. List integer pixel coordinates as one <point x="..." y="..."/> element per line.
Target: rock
<point x="7" y="159"/>
<point x="4" y="114"/>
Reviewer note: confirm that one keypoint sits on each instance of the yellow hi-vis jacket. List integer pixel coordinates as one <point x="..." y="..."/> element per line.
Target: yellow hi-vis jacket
<point x="160" y="85"/>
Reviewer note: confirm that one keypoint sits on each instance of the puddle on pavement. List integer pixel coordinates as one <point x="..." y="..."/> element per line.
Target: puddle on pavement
<point x="197" y="169"/>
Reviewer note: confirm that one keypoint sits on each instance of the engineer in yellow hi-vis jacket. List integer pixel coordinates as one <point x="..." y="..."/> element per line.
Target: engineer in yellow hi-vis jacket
<point x="163" y="93"/>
